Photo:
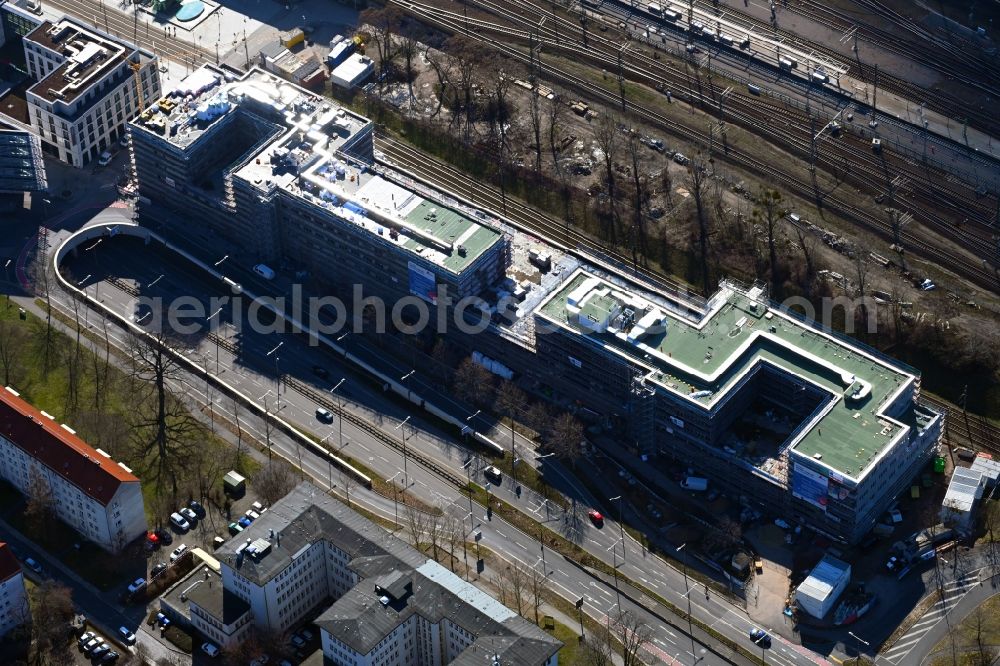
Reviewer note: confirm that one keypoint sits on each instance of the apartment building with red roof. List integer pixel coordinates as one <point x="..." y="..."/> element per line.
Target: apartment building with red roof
<point x="98" y="497"/>
<point x="13" y="595"/>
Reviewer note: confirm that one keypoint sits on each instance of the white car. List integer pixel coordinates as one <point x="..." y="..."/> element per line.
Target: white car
<point x="189" y="515"/>
<point x="105" y="158"/>
<point x="210" y="649"/>
<point x="178" y="551"/>
<point x="180" y="522"/>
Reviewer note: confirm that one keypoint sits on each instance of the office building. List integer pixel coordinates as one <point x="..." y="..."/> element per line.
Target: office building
<point x="815" y="427"/>
<point x="283" y="172"/>
<point x="14" y="610"/>
<point x="681" y="380"/>
<point x="91" y="493"/>
<point x="385" y="602"/>
<point x="86" y="86"/>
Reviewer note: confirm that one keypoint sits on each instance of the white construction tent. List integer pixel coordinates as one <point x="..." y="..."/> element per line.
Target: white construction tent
<point x="817" y="593"/>
<point x="964" y="490"/>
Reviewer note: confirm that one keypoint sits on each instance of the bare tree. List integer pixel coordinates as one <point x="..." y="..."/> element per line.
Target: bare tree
<point x="13" y="338"/>
<point x="408" y="48"/>
<point x="442" y="66"/>
<point x="418" y="523"/>
<point x="597" y="647"/>
<point x="770" y="211"/>
<point x="42" y="272"/>
<point x="556" y="116"/>
<point x="609" y="143"/>
<point x="39" y="510"/>
<point x="52" y="609"/>
<point x="565" y="436"/>
<point x="383" y="22"/>
<point x="696" y="185"/>
<point x="165" y="433"/>
<point x="473" y="383"/>
<point x="275" y="479"/>
<point x="539" y="587"/>
<point x="633" y="634"/>
<point x="514" y="588"/>
<point x="637" y="234"/>
<point x="510" y="399"/>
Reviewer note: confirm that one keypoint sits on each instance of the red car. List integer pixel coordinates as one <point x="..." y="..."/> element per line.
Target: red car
<point x="596" y="517"/>
<point x="152" y="539"/>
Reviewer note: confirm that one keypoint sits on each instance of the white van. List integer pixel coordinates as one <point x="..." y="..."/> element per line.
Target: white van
<point x="264" y="271"/>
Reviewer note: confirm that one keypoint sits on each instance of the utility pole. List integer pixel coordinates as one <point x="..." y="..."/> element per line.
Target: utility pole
<point x="621" y="525"/>
<point x="687" y="593"/>
<point x="402" y="435"/>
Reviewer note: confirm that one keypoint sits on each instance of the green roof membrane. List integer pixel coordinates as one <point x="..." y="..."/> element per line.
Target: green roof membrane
<point x="451" y="228"/>
<point x="704" y="361"/>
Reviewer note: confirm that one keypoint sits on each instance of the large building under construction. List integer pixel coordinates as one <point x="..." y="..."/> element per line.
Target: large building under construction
<point x="770" y="408"/>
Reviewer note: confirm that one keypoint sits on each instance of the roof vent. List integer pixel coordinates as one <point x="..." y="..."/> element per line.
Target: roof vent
<point x="384" y="600"/>
<point x="48" y="416"/>
<point x="68" y="429"/>
<point x="818" y="456"/>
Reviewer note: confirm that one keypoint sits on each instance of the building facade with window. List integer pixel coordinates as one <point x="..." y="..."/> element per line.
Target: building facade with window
<point x="99" y="498"/>
<point x="14" y="610"/>
<point x="87" y="85"/>
<point x="386" y="603"/>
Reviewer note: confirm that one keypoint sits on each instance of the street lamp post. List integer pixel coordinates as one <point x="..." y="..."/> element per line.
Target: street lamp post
<point x="395" y="495"/>
<point x="402" y="435"/>
<point x="620" y="499"/>
<point x="859" y="641"/>
<point x="406" y="383"/>
<point x="210" y="318"/>
<point x="340" y="413"/>
<point x="687" y="593"/>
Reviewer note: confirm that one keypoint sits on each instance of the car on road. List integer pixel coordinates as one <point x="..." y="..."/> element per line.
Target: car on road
<point x="180" y="522"/>
<point x="126" y="635"/>
<point x="324" y="415"/>
<point x="137" y="585"/>
<point x="85" y="638"/>
<point x="596" y="517"/>
<point x="210" y="649"/>
<point x="895" y="516"/>
<point x="33" y="565"/>
<point x="198" y="509"/>
<point x="321" y="372"/>
<point x="493" y="475"/>
<point x="189" y="515"/>
<point x="105" y="158"/>
<point x="760" y="637"/>
<point x="158" y="569"/>
<point x="178" y="552"/>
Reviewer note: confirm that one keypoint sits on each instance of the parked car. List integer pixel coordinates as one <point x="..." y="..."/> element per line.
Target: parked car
<point x="85" y="638"/>
<point x="196" y="506"/>
<point x="99" y="650"/>
<point x="89" y="646"/>
<point x="126" y="635"/>
<point x="166" y="538"/>
<point x="258" y="507"/>
<point x="210" y="649"/>
<point x="244" y="521"/>
<point x="33" y="565"/>
<point x="162" y="620"/>
<point x="252" y="515"/>
<point x="235" y="528"/>
<point x="178" y="551"/>
<point x="152" y="540"/>
<point x="306" y="634"/>
<point x="180" y="522"/>
<point x="105" y="158"/>
<point x="298" y="641"/>
<point x="159" y="568"/>
<point x="596" y="517"/>
<point x="137" y="585"/>
<point x="189" y="515"/>
<point x="109" y="657"/>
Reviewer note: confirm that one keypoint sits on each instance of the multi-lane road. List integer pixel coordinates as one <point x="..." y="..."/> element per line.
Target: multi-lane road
<point x="251" y="371"/>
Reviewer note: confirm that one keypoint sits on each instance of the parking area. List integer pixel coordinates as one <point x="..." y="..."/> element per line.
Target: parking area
<point x="93" y="647"/>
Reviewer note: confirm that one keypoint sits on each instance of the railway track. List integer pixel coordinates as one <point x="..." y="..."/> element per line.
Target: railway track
<point x="952" y="63"/>
<point x="939" y="191"/>
<point x="455" y="23"/>
<point x="971" y="430"/>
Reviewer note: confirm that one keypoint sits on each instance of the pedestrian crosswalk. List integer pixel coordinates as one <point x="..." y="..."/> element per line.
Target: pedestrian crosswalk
<point x="951" y="594"/>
